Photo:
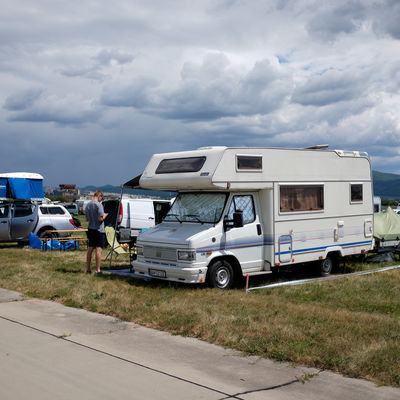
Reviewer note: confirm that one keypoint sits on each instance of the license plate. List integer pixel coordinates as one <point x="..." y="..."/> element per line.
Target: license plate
<point x="157" y="273"/>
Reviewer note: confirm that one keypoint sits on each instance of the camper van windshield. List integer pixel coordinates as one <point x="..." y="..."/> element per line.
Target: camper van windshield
<point x="197" y="207"/>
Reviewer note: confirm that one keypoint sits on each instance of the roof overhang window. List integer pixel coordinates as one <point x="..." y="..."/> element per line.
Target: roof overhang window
<point x="180" y="165"/>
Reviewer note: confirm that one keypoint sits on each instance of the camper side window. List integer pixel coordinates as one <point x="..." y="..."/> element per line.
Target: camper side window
<point x="249" y="163"/>
<point x="301" y="198"/>
<point x="356" y="192"/>
<point x="244" y="204"/>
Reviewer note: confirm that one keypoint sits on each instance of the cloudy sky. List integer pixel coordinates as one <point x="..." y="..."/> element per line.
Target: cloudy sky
<point x="91" y="89"/>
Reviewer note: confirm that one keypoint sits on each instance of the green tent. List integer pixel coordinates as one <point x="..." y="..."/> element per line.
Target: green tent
<point x="387" y="225"/>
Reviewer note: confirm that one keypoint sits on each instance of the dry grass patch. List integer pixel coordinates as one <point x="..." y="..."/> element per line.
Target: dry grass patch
<point x="351" y="326"/>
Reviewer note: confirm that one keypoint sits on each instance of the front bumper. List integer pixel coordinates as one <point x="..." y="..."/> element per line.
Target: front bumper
<point x="184" y="273"/>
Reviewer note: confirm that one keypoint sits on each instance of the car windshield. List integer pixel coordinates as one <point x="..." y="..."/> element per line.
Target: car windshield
<point x="197" y="207"/>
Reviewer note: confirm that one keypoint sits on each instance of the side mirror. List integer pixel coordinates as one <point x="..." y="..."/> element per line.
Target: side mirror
<point x="238" y="219"/>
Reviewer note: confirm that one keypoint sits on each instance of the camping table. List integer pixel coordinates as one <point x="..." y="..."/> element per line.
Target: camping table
<point x="64" y="239"/>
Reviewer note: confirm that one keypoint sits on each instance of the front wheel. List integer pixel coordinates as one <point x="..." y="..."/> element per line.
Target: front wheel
<point x="221" y="275"/>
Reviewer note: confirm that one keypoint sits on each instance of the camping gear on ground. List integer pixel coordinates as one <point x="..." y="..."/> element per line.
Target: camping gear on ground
<point x="114" y="244"/>
<point x="51" y="244"/>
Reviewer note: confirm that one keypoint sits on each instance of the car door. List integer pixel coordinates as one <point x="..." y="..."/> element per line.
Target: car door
<point x="245" y="242"/>
<point x="23" y="221"/>
<point x="4" y="222"/>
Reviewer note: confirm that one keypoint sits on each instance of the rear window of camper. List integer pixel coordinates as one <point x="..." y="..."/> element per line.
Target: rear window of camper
<point x="301" y="198"/>
<point x="252" y="163"/>
<point x="178" y="165"/>
<point x="356" y="192"/>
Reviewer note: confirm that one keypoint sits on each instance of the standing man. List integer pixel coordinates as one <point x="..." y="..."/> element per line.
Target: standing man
<point x="96" y="235"/>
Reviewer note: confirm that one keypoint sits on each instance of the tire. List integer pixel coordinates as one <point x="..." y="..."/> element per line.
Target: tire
<point x="326" y="266"/>
<point x="44" y="235"/>
<point x="221" y="275"/>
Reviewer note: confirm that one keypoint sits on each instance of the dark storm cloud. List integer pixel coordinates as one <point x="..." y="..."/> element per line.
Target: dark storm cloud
<point x="95" y="65"/>
<point x="386" y="17"/>
<point x="36" y="106"/>
<point x="332" y="19"/>
<point x="330" y="87"/>
<point x="22" y="100"/>
<point x="207" y="91"/>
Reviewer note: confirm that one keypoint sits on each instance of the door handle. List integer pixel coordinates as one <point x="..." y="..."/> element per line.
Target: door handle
<point x="259" y="231"/>
<point x="4" y="222"/>
<point x="151" y="218"/>
<point x="30" y="220"/>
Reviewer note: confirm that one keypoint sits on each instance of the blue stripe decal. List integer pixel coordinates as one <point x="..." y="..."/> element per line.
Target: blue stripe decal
<point x="242" y="244"/>
<point x="324" y="247"/>
<point x="238" y="244"/>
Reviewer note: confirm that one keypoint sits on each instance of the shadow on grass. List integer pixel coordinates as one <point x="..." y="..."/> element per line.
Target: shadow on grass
<point x="147" y="283"/>
<point x="69" y="270"/>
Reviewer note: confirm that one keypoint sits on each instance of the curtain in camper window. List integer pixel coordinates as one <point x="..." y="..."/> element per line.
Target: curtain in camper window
<point x="301" y="198"/>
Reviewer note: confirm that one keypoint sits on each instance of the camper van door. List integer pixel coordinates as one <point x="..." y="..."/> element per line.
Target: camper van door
<point x="247" y="241"/>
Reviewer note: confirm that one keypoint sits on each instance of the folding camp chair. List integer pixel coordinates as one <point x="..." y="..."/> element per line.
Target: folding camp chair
<point x="113" y="242"/>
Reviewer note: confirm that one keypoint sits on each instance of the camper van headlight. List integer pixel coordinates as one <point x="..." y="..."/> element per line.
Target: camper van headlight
<point x="186" y="255"/>
<point x="139" y="250"/>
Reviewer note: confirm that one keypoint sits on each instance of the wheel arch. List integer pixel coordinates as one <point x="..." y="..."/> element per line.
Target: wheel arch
<point x="45" y="228"/>
<point x="334" y="251"/>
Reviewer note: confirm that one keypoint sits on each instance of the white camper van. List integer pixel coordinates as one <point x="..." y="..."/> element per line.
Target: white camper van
<point x="246" y="211"/>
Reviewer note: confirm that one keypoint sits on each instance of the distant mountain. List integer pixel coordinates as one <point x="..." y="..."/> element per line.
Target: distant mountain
<point x="386" y="186"/>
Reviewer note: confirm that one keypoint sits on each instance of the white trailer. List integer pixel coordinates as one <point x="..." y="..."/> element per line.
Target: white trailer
<point x="249" y="211"/>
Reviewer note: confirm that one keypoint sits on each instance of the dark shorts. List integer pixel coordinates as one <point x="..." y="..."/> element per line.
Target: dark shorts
<point x="96" y="238"/>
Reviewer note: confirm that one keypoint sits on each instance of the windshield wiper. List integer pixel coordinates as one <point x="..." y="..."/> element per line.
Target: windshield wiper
<point x="174" y="215"/>
<point x="194" y="216"/>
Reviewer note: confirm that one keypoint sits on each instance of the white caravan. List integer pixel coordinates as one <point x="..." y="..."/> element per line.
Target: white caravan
<point x="249" y="211"/>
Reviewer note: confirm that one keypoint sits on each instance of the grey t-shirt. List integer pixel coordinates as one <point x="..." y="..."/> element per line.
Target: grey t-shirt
<point x="93" y="211"/>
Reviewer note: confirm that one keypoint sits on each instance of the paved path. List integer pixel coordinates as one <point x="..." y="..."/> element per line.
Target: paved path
<point x="48" y="351"/>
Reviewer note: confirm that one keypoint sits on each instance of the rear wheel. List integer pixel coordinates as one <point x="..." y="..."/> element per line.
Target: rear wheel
<point x="45" y="234"/>
<point x="221" y="275"/>
<point x="326" y="266"/>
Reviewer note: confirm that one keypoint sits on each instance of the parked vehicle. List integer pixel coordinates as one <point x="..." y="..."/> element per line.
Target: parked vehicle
<point x="249" y="211"/>
<point x="133" y="215"/>
<point x="82" y="206"/>
<point x="19" y="219"/>
<point x="377" y="204"/>
<point x="24" y="209"/>
<point x="72" y="208"/>
<point x="53" y="217"/>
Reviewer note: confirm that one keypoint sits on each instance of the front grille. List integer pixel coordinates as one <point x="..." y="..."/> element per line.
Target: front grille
<point x="159" y="253"/>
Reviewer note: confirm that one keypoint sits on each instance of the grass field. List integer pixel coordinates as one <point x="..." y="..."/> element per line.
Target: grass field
<point x="351" y="326"/>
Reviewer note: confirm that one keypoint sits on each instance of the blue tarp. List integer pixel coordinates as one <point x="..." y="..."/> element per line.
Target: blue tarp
<point x="21" y="188"/>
